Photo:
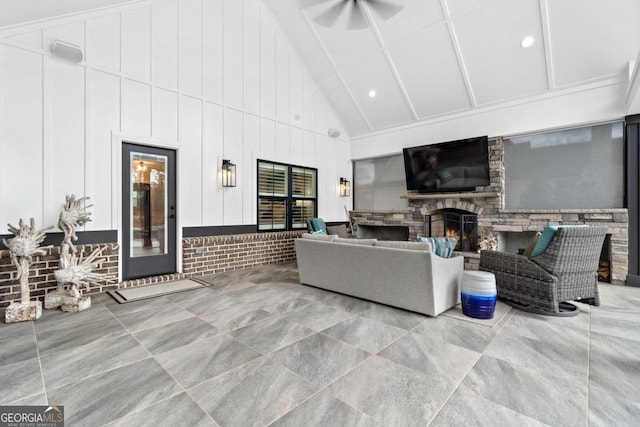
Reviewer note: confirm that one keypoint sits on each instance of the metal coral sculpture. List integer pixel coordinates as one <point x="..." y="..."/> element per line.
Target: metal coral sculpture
<point x="23" y="247"/>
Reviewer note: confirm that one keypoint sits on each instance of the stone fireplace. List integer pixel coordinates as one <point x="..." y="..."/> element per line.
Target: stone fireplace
<point x="513" y="228"/>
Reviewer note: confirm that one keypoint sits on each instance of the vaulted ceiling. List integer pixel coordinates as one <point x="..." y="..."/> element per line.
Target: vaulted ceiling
<point x="439" y="57"/>
<point x="435" y="58"/>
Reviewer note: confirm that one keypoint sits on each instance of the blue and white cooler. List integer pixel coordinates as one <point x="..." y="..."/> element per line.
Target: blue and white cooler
<point x="478" y="294"/>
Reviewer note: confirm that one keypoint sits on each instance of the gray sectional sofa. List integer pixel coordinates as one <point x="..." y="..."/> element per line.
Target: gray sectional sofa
<point x="407" y="275"/>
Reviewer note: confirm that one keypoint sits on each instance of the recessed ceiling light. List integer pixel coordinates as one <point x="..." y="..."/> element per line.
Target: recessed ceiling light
<point x="527" y="41"/>
<point x="372" y="93"/>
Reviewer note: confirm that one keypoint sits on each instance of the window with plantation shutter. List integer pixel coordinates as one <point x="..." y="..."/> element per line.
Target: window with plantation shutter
<point x="286" y="196"/>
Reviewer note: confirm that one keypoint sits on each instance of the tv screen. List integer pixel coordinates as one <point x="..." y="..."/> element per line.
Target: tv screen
<point x="450" y="166"/>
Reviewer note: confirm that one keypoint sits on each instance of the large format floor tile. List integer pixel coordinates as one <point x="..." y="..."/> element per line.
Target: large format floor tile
<point x="318" y="316"/>
<point x="320" y="359"/>
<point x="554" y="401"/>
<point x="179" y="410"/>
<point x="176" y="334"/>
<point x="614" y="365"/>
<point x="153" y="318"/>
<point x="446" y="364"/>
<point x="20" y="380"/>
<point x="255" y="394"/>
<point x="608" y="408"/>
<point x="271" y="334"/>
<point x="50" y="341"/>
<point x="390" y="393"/>
<point x="114" y="394"/>
<point x="323" y="409"/>
<point x="68" y="366"/>
<point x="205" y="359"/>
<point x="542" y="346"/>
<point x="471" y="336"/>
<point x="367" y="334"/>
<point x="468" y="409"/>
<point x="394" y="317"/>
<point x="256" y="347"/>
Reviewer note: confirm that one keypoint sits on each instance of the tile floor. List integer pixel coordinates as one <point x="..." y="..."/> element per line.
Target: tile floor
<point x="256" y="348"/>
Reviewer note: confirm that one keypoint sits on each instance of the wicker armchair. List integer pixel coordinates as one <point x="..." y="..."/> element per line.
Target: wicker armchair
<point x="565" y="271"/>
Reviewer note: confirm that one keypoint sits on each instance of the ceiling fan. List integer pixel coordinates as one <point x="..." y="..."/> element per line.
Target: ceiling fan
<point x="357" y="18"/>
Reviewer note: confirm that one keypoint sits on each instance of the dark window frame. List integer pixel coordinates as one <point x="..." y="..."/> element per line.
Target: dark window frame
<point x="289" y="199"/>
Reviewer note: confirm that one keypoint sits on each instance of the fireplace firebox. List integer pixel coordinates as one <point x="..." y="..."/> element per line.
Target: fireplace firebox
<point x="457" y="223"/>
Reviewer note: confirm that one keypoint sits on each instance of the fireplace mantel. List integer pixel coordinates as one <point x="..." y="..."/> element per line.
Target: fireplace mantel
<point x="469" y="195"/>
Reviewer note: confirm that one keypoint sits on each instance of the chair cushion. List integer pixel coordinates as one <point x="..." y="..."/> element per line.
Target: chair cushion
<point x="441" y="246"/>
<point x="546" y="237"/>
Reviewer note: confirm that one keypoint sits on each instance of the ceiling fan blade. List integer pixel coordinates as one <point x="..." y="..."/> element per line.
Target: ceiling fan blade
<point x="383" y="8"/>
<point x="357" y="19"/>
<point x="330" y="17"/>
<point x="309" y="3"/>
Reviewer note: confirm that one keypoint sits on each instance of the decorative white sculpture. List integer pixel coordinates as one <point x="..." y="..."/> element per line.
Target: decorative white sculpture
<point x="23" y="247"/>
<point x="74" y="271"/>
<point x="487" y="241"/>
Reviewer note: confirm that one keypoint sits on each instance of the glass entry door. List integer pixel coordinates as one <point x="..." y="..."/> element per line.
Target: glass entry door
<point x="149" y="211"/>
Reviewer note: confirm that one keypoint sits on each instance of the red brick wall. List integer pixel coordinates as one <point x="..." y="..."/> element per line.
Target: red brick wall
<point x="41" y="279"/>
<point x="234" y="252"/>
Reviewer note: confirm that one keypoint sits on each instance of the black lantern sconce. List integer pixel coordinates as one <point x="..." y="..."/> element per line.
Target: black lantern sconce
<point x="228" y="174"/>
<point x="345" y="187"/>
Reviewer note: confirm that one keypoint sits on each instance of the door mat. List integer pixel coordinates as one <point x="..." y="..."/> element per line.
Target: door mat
<point x="499" y="313"/>
<point x="151" y="291"/>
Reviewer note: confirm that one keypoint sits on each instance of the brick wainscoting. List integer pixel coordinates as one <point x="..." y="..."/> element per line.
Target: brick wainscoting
<point x="41" y="278"/>
<point x="217" y="254"/>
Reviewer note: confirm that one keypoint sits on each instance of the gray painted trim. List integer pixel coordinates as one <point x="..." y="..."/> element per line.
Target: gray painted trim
<point x="223" y="230"/>
<point x="84" y="238"/>
<point x="219" y="230"/>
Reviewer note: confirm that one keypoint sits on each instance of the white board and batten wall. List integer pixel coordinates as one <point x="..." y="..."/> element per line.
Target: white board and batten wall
<point x="213" y="79"/>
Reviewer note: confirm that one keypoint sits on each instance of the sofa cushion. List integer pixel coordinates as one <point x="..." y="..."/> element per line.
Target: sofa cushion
<point x="339" y="230"/>
<point x="441" y="246"/>
<point x="546" y="237"/>
<point x="366" y="242"/>
<point x="324" y="237"/>
<point x="414" y="246"/>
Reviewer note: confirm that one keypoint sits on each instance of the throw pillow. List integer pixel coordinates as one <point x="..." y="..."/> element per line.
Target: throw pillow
<point x="442" y="246"/>
<point x="318" y="225"/>
<point x="546" y="237"/>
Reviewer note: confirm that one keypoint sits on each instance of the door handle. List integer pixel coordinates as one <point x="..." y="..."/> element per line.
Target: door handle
<point x="172" y="216"/>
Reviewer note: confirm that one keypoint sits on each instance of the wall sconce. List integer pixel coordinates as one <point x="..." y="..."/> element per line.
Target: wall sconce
<point x="228" y="174"/>
<point x="345" y="187"/>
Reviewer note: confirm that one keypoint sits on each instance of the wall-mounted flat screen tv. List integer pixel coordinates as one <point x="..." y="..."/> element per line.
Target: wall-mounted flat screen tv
<point x="452" y="166"/>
